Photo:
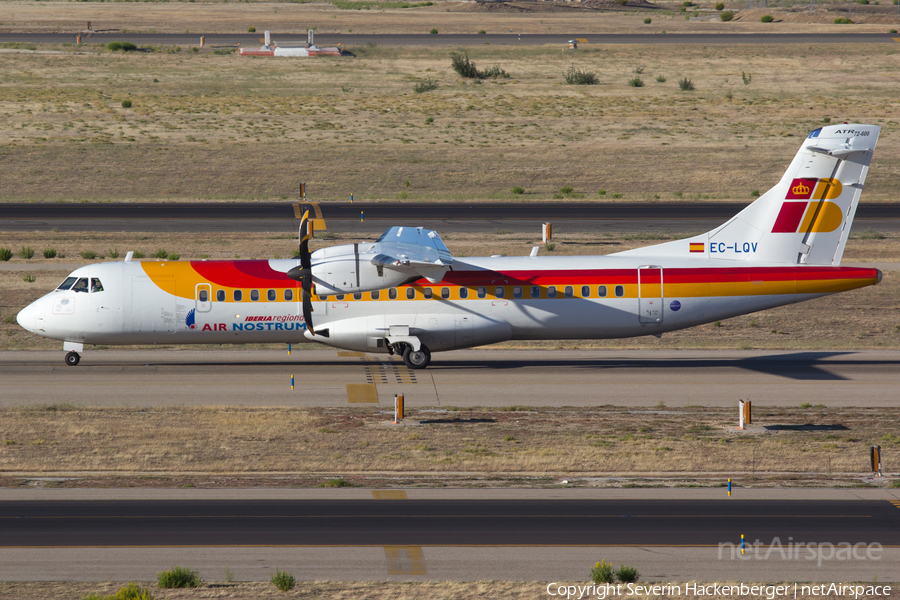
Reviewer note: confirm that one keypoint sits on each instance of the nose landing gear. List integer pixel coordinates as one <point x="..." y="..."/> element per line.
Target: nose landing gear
<point x="72" y="359"/>
<point x="416" y="359"/>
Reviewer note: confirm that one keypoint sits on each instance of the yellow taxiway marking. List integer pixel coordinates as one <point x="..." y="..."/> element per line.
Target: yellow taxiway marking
<point x="405" y="560"/>
<point x="348" y="354"/>
<point x="362" y="393"/>
<point x="896" y="39"/>
<point x="318" y="221"/>
<point x="390" y="495"/>
<point x="581" y="40"/>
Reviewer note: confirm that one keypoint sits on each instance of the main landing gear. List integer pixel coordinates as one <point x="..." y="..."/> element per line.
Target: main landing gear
<point x="417" y="359"/>
<point x="72" y="359"/>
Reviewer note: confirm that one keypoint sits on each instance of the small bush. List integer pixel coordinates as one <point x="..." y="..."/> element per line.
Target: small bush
<point x="518" y="191"/>
<point x="685" y="85"/>
<point x="160" y="254"/>
<point x="121" y="46"/>
<point x="126" y="103"/>
<point x="429" y="120"/>
<point x="223" y="52"/>
<point x="174" y="256"/>
<point x="114" y="253"/>
<point x="720" y="5"/>
<point x="5" y="254"/>
<point x="726" y="15"/>
<point x="843" y="21"/>
<point x="426" y="85"/>
<point x="601" y="192"/>
<point x="893" y="31"/>
<point x="627" y="574"/>
<point x="481" y="32"/>
<point x="179" y="577"/>
<point x="636" y="82"/>
<point x="26" y="252"/>
<point x="49" y="252"/>
<point x="88" y="254"/>
<point x="466" y="68"/>
<point x="137" y="254"/>
<point x="746" y="78"/>
<point x="550" y="246"/>
<point x="647" y="21"/>
<point x="29" y="278"/>
<point x="335" y="483"/>
<point x="602" y="572"/>
<point x="433" y="31"/>
<point x="766" y="19"/>
<point x="577" y="76"/>
<point x="131" y="591"/>
<point x="661" y="79"/>
<point x="251" y="29"/>
<point x="566" y="189"/>
<point x="283" y="580"/>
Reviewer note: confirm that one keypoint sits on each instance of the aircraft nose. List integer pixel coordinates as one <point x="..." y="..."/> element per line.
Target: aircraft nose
<point x="27" y="317"/>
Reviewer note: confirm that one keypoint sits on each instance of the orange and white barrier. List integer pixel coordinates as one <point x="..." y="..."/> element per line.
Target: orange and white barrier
<point x="744" y="417"/>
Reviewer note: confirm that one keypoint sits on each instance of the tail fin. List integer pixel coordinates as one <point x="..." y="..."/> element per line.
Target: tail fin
<point x="805" y="218"/>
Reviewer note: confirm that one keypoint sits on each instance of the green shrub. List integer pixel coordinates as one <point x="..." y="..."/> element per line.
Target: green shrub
<point x="577" y="76"/>
<point x="426" y="85"/>
<point x="720" y="5"/>
<point x="5" y="254"/>
<point x="754" y="194"/>
<point x="601" y="192"/>
<point x="627" y="574"/>
<point x="131" y="591"/>
<point x="685" y="85"/>
<point x="746" y="77"/>
<point x="726" y="15"/>
<point x="550" y="246"/>
<point x="661" y="78"/>
<point x="602" y="572"/>
<point x="179" y="577"/>
<point x="126" y="103"/>
<point x="766" y="19"/>
<point x="481" y="32"/>
<point x="843" y="21"/>
<point x="518" y="191"/>
<point x="29" y="278"/>
<point x="283" y="580"/>
<point x="160" y="254"/>
<point x="114" y="253"/>
<point x="251" y="29"/>
<point x="137" y="254"/>
<point x="636" y="82"/>
<point x="566" y="189"/>
<point x="335" y="483"/>
<point x="26" y="252"/>
<point x="466" y="68"/>
<point x="893" y="30"/>
<point x="49" y="252"/>
<point x="88" y="254"/>
<point x="433" y="31"/>
<point x="123" y="46"/>
<point x="647" y="21"/>
<point x="174" y="256"/>
<point x="223" y="52"/>
<point x="429" y="120"/>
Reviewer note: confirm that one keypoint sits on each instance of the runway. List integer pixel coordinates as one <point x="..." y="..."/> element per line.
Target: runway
<point x="464" y="378"/>
<point x="374" y="217"/>
<point x="543" y="535"/>
<point x="452" y="39"/>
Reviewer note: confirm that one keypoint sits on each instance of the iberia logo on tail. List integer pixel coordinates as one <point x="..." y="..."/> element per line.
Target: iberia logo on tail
<point x="816" y="216"/>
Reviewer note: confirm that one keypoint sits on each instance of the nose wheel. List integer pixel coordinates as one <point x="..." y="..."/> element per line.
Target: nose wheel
<point x="417" y="359"/>
<point x="72" y="359"/>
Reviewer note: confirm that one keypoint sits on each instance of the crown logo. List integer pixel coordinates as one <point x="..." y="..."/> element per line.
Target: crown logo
<point x="800" y="190"/>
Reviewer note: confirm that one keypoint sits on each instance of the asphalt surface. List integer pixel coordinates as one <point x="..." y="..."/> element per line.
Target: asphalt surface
<point x="377" y="216"/>
<point x="453" y="39"/>
<point x="444" y="523"/>
<point x="497" y="378"/>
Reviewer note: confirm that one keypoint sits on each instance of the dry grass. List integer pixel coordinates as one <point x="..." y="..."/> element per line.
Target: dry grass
<point x="864" y="318"/>
<point x="316" y="444"/>
<point x="225" y="127"/>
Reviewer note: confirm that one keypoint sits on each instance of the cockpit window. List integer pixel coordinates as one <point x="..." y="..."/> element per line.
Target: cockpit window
<point x="81" y="285"/>
<point x="96" y="286"/>
<point x="67" y="283"/>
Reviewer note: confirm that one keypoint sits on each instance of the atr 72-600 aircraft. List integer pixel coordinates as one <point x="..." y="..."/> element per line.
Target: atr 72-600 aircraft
<point x="405" y="294"/>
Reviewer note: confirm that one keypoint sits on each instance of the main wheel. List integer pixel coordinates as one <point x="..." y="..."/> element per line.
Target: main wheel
<point x="417" y="359"/>
<point x="72" y="359"/>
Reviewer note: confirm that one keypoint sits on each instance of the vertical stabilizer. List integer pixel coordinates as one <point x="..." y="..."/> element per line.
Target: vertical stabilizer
<point x="806" y="217"/>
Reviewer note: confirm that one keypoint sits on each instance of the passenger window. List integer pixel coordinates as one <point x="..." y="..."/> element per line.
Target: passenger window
<point x="271" y="295"/>
<point x="357" y="296"/>
<point x="375" y="295"/>
<point x="67" y="283"/>
<point x="535" y="291"/>
<point x="620" y="291"/>
<point x="428" y="293"/>
<point x="339" y="297"/>
<point x="551" y="291"/>
<point x="517" y="292"/>
<point x="203" y="296"/>
<point x="238" y="295"/>
<point x="410" y="293"/>
<point x="321" y="298"/>
<point x="288" y="295"/>
<point x="601" y="291"/>
<point x="96" y="286"/>
<point x="445" y="293"/>
<point x="392" y="293"/>
<point x="482" y="291"/>
<point x="81" y="285"/>
<point x="463" y="293"/>
<point x="220" y="295"/>
<point x="254" y="295"/>
<point x="585" y="291"/>
<point x="569" y="291"/>
<point x="499" y="291"/>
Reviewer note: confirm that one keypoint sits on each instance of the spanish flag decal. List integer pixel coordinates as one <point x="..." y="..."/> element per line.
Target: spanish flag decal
<point x="697" y="247"/>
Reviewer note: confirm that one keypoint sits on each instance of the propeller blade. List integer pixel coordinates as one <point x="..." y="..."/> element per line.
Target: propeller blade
<point x="307" y="312"/>
<point x="303" y="273"/>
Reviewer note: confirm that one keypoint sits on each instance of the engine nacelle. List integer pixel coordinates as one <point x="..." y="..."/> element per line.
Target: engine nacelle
<point x="348" y="269"/>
